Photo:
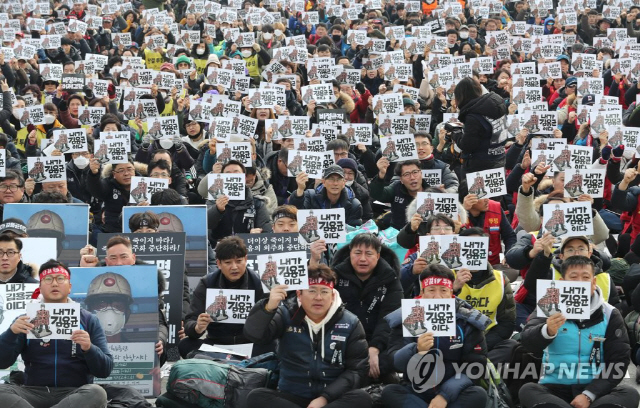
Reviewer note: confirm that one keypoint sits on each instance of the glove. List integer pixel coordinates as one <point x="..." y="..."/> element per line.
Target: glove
<point x="361" y="88"/>
<point x="256" y="47"/>
<point x="177" y="142"/>
<point x="63" y="105"/>
<point x="617" y="152"/>
<point x="606" y="152"/>
<point x="146" y="141"/>
<point x="111" y="90"/>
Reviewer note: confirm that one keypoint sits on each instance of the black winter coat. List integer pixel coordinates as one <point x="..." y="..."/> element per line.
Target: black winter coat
<point x="114" y="196"/>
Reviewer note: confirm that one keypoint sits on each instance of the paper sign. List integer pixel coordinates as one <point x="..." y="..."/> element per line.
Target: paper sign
<point x="3" y="163"/>
<point x="240" y="151"/>
<point x="359" y="133"/>
<point x="163" y="127"/>
<point x="321" y="93"/>
<point x="229" y="305"/>
<point x="241" y="350"/>
<point x="329" y="225"/>
<point x="437" y="316"/>
<point x="589" y="181"/>
<point x="432" y="177"/>
<point x="90" y="115"/>
<point x="390" y="104"/>
<point x="70" y="140"/>
<point x="487" y="183"/>
<point x="112" y="147"/>
<point x="283" y="269"/>
<point x="53" y="321"/>
<point x="142" y="188"/>
<point x="572" y="157"/>
<point x="399" y="148"/>
<point x="43" y="169"/>
<point x="38" y="250"/>
<point x="571" y="298"/>
<point x="304" y="161"/>
<point x="429" y="204"/>
<point x="455" y="252"/>
<point x="226" y="184"/>
<point x="568" y="219"/>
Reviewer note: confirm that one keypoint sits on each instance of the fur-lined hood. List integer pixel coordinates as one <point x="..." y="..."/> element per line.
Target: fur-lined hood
<point x="141" y="169"/>
<point x="545" y="184"/>
<point x="347" y="102"/>
<point x="462" y="213"/>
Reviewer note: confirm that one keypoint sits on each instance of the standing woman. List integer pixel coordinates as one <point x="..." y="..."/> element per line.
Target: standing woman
<point x="484" y="117"/>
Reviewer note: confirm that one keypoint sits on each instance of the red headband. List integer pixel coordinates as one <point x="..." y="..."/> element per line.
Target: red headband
<point x="58" y="270"/>
<point x="320" y="281"/>
<point x="437" y="280"/>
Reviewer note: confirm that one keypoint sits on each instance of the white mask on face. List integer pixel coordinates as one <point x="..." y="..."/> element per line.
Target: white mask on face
<point x="278" y="33"/>
<point x="200" y="51"/>
<point x="246" y="53"/>
<point x="81" y="162"/>
<point x="166" y="143"/>
<point x="267" y="36"/>
<point x="49" y="119"/>
<point x="349" y="183"/>
<point x="111" y="320"/>
<point x="17" y="114"/>
<point x="464" y="35"/>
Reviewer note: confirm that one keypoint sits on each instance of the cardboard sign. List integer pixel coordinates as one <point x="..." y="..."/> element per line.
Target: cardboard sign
<point x="269" y="243"/>
<point x="31" y="115"/>
<point x="487" y="183"/>
<point x="586" y="181"/>
<point x="238" y="151"/>
<point x="163" y="126"/>
<point x="288" y="126"/>
<point x="360" y="133"/>
<point x="538" y="122"/>
<point x="332" y="117"/>
<point x="283" y="269"/>
<point x="118" y="39"/>
<point x="142" y="188"/>
<point x="568" y="219"/>
<point x="226" y="184"/>
<point x="546" y="143"/>
<point x="320" y="93"/>
<point x="329" y="225"/>
<point x="90" y="115"/>
<point x="421" y="123"/>
<point x="623" y="135"/>
<point x="112" y="147"/>
<point x="455" y="252"/>
<point x="399" y="148"/>
<point x="527" y="95"/>
<point x="572" y="157"/>
<point x="432" y="177"/>
<point x="304" y="161"/>
<point x="436" y="316"/>
<point x="437" y="203"/>
<point x="3" y="163"/>
<point x="572" y="299"/>
<point x="229" y="305"/>
<point x="394" y="125"/>
<point x="53" y="321"/>
<point x="390" y="104"/>
<point x="70" y="140"/>
<point x="51" y="72"/>
<point x="43" y="169"/>
<point x="73" y="82"/>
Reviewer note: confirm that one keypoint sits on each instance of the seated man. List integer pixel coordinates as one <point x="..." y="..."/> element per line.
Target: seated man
<point x="596" y="351"/>
<point x="57" y="372"/>
<point x="468" y="346"/>
<point x="321" y="348"/>
<point x="232" y="273"/>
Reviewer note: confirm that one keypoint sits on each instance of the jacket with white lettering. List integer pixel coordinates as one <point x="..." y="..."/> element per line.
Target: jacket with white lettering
<point x="316" y="199"/>
<point x="396" y="194"/>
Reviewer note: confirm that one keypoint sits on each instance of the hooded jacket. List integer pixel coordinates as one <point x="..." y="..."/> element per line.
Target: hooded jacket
<point x="396" y="194"/>
<point x="326" y="363"/>
<point x="372" y="299"/>
<point x="485" y="132"/>
<point x="283" y="186"/>
<point x="24" y="274"/>
<point x="601" y="339"/>
<point x="316" y="199"/>
<point x="448" y="177"/>
<point x="408" y="239"/>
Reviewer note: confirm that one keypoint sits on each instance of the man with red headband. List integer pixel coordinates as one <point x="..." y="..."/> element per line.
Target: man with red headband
<point x="445" y="387"/>
<point x="57" y="372"/>
<point x="322" y="347"/>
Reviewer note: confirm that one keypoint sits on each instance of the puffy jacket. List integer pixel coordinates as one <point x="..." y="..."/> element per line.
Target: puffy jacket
<point x="112" y="194"/>
<point x="396" y="194"/>
<point x="373" y="299"/>
<point x="220" y="333"/>
<point x="24" y="274"/>
<point x="328" y="364"/>
<point x="283" y="186"/>
<point x="577" y="343"/>
<point x="53" y="364"/>
<point x="449" y="178"/>
<point x="240" y="216"/>
<point x="317" y="200"/>
<point x="485" y="133"/>
<point x="77" y="182"/>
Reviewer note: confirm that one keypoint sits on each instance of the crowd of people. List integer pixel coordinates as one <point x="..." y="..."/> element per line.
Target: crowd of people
<point x="479" y="82"/>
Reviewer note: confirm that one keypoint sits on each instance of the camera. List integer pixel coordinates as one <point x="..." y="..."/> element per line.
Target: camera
<point x="453" y="128"/>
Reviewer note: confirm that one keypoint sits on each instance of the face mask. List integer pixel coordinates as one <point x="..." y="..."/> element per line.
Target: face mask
<point x="111" y="320"/>
<point x="246" y="53"/>
<point x="17" y="114"/>
<point x="267" y="36"/>
<point x="464" y="35"/>
<point x="49" y="119"/>
<point x="450" y="45"/>
<point x="164" y="95"/>
<point x="200" y="51"/>
<point x="166" y="143"/>
<point x="81" y="162"/>
<point x="278" y="33"/>
<point x="124" y="84"/>
<point x="349" y="183"/>
<point x="336" y="38"/>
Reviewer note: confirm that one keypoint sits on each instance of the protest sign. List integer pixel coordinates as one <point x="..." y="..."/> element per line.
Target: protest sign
<point x="571" y="157"/>
<point x="320" y="93"/>
<point x="332" y="117"/>
<point x="456" y="252"/>
<point x="53" y="321"/>
<point x="70" y="140"/>
<point x="3" y="163"/>
<point x="311" y="163"/>
<point x="51" y="72"/>
<point x="44" y="169"/>
<point x="112" y="150"/>
<point x="164" y="127"/>
<point x="359" y="133"/>
<point x="487" y="183"/>
<point x="571" y="298"/>
<point x="436" y="316"/>
<point x="226" y="184"/>
<point x="390" y="104"/>
<point x="283" y="269"/>
<point x="142" y="188"/>
<point x="288" y="126"/>
<point x="310" y="144"/>
<point x="432" y="177"/>
<point x="229" y="305"/>
<point x="73" y="82"/>
<point x="329" y="225"/>
<point x="429" y="204"/>
<point x="568" y="219"/>
<point x="399" y="148"/>
<point x="586" y="181"/>
<point x="37" y="251"/>
<point x="270" y="243"/>
<point x="90" y="115"/>
<point x="239" y="151"/>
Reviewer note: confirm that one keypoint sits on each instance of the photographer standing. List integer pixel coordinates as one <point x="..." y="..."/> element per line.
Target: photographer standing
<point x="485" y="132"/>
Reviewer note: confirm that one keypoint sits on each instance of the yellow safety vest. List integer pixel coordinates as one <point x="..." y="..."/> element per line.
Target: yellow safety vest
<point x="603" y="281"/>
<point x="153" y="59"/>
<point x="487" y="298"/>
<point x="201" y="64"/>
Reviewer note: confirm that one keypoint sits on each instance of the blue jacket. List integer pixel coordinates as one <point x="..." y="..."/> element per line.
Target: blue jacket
<point x="330" y="365"/>
<point x="317" y="200"/>
<point x="52" y="364"/>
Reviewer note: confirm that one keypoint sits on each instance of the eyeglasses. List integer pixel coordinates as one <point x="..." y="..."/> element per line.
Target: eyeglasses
<point x="411" y="173"/>
<point x="441" y="228"/>
<point x="60" y="279"/>
<point x="10" y="253"/>
<point x="191" y="124"/>
<point x="323" y="293"/>
<point x="581" y="250"/>
<point x="343" y="154"/>
<point x="11" y="187"/>
<point x="423" y="144"/>
<point x="159" y="175"/>
<point x="127" y="171"/>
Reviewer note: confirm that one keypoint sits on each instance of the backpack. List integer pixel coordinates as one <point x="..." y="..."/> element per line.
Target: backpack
<point x="497" y="392"/>
<point x="211" y="384"/>
<point x="632" y="321"/>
